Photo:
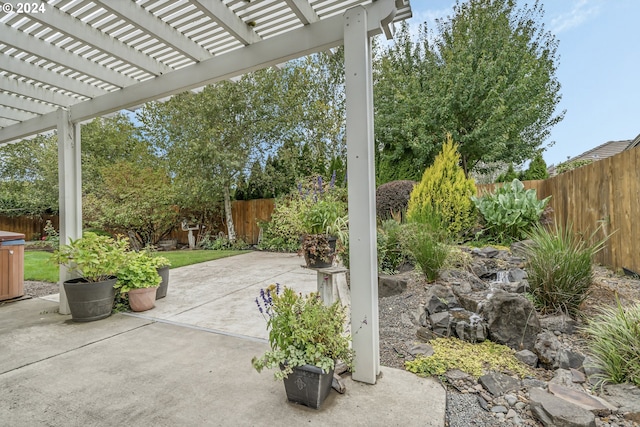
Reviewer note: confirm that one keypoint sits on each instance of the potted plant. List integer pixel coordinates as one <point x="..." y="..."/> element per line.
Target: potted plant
<point x="140" y="279"/>
<point x="306" y="338"/>
<point x="318" y="244"/>
<point x="96" y="260"/>
<point x="162" y="265"/>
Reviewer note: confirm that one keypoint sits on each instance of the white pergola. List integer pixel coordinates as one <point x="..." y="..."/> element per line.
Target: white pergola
<point x="65" y="62"/>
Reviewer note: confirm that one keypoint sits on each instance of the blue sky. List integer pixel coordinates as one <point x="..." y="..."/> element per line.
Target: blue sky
<point x="599" y="69"/>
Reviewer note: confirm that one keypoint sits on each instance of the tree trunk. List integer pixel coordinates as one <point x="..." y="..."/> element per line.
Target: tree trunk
<point x="231" y="231"/>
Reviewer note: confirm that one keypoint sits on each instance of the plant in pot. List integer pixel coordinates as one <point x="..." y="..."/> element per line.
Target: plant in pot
<point x="306" y="338"/>
<point x="96" y="259"/>
<point x="140" y="279"/>
<point x="321" y="220"/>
<point x="162" y="265"/>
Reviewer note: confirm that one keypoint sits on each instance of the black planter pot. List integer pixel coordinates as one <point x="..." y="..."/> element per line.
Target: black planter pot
<point x="161" y="292"/>
<point x="89" y="301"/>
<point x="317" y="261"/>
<point x="308" y="385"/>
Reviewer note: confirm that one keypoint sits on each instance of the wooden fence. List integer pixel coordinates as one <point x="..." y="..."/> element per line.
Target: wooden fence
<point x="31" y="227"/>
<point x="246" y="217"/>
<point x="607" y="193"/>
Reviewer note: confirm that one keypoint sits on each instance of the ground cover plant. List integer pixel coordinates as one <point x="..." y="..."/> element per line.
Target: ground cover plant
<point x="452" y="353"/>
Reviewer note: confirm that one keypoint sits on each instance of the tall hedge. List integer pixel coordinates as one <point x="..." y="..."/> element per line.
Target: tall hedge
<point x="444" y="189"/>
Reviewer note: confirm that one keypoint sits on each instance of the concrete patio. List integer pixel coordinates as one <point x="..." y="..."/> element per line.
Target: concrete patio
<point x="184" y="363"/>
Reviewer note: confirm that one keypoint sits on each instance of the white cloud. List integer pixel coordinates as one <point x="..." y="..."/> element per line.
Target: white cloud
<point x="581" y="12"/>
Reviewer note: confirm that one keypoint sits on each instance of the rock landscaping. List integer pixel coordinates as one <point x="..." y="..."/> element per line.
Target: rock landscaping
<point x="486" y="301"/>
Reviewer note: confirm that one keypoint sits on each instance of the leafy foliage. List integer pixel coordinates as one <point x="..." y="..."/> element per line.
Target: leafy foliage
<point x="474" y="359"/>
<point x="393" y="197"/>
<point x="139" y="271"/>
<point x="95" y="258"/>
<point x="559" y="267"/>
<point x="567" y="166"/>
<point x="391" y="246"/>
<point x="486" y="75"/>
<point x="510" y="212"/>
<point x="302" y="330"/>
<point x="133" y="200"/>
<point x="445" y="191"/>
<point x="615" y="343"/>
<point x="289" y="219"/>
<point x="537" y="169"/>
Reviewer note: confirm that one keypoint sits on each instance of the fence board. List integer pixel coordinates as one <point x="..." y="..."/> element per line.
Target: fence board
<point x="607" y="193"/>
<point x="246" y="217"/>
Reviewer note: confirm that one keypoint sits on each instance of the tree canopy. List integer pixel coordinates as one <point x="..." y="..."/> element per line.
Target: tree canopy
<point x="486" y="75"/>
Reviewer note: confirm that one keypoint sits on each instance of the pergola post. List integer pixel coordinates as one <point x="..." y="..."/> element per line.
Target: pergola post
<point x="361" y="173"/>
<point x="70" y="183"/>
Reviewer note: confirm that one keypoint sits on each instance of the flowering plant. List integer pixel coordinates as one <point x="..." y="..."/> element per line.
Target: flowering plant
<point x="302" y="331"/>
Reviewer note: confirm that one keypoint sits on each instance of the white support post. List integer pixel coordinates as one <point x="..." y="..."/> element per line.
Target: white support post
<point x="361" y="173"/>
<point x="70" y="183"/>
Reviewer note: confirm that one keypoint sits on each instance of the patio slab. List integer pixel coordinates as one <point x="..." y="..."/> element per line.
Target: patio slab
<point x="140" y="371"/>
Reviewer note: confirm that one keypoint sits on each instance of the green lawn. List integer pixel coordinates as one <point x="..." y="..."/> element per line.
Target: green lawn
<point x="38" y="264"/>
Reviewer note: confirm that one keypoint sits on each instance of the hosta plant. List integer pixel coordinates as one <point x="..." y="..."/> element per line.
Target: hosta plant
<point x="510" y="212"/>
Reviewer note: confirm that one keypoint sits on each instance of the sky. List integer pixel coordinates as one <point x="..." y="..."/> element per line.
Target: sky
<point x="598" y="70"/>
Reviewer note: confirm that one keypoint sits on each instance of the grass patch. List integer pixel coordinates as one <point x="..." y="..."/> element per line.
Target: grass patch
<point x="474" y="359"/>
<point x="39" y="266"/>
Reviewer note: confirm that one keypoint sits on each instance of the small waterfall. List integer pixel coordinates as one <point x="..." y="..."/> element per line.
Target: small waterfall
<point x="502" y="276"/>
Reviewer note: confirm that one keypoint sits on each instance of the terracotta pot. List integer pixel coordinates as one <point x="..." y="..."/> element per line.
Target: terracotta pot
<point x="142" y="299"/>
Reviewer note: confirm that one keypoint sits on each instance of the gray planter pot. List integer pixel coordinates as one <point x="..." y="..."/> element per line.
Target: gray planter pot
<point x="316" y="261"/>
<point x="308" y="385"/>
<point x="161" y="292"/>
<point x="89" y="301"/>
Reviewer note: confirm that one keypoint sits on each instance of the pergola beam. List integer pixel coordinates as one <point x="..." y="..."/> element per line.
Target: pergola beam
<point x="26" y="105"/>
<point x="53" y="53"/>
<point x="220" y="13"/>
<point x="136" y="15"/>
<point x="304" y="11"/>
<point x="36" y="92"/>
<point x="72" y="27"/>
<point x="12" y="114"/>
<point x="46" y="76"/>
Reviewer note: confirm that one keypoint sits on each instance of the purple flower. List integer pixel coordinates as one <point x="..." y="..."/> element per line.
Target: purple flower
<point x="333" y="179"/>
<point x="320" y="184"/>
<point x="259" y="306"/>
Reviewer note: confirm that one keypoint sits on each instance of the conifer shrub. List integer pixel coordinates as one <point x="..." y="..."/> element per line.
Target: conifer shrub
<point x="445" y="190"/>
<point x="392" y="198"/>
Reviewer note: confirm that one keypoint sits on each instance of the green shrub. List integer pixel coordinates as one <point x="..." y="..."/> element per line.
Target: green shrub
<point x="510" y="212"/>
<point x="313" y="206"/>
<point x="568" y="166"/>
<point x="426" y="242"/>
<point x="537" y="169"/>
<point x="444" y="189"/>
<point x="391" y="252"/>
<point x="615" y="344"/>
<point x="559" y="268"/>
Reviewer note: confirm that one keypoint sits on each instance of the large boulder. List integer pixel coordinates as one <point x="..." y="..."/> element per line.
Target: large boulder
<point x="440" y="298"/>
<point x="511" y="320"/>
